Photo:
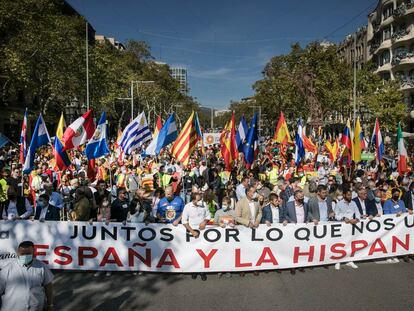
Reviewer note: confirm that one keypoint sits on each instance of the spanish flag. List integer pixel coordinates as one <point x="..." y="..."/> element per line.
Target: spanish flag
<point x="228" y="143"/>
<point x="282" y="135"/>
<point x="333" y="149"/>
<point x="187" y="140"/>
<point x="309" y="145"/>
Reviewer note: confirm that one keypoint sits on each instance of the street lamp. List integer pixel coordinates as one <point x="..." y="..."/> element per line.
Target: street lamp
<point x="132" y="94"/>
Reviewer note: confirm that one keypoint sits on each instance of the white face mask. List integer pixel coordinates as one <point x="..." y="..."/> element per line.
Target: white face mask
<point x="340" y="198"/>
<point x="225" y="207"/>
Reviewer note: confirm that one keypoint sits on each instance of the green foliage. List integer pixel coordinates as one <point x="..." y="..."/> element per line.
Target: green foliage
<point x="42" y="55"/>
<point x="314" y="82"/>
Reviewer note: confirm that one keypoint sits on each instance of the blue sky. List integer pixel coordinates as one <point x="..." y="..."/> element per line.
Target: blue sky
<point x="224" y="44"/>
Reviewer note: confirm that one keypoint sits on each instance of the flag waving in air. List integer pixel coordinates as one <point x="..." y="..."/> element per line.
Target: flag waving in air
<point x="250" y="147"/>
<point x="377" y="140"/>
<point x="241" y="133"/>
<point x="98" y="146"/>
<point x="402" y="152"/>
<point x="158" y="126"/>
<point x="187" y="140"/>
<point x="300" y="149"/>
<point x="40" y="137"/>
<point x="135" y="134"/>
<point x="228" y="144"/>
<point x="166" y="136"/>
<point x="79" y="131"/>
<point x="356" y="147"/>
<point x="23" y="144"/>
<point x="282" y="135"/>
<point x="61" y="157"/>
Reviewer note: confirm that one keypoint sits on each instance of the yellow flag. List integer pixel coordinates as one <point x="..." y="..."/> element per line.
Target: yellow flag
<point x="356" y="148"/>
<point x="61" y="127"/>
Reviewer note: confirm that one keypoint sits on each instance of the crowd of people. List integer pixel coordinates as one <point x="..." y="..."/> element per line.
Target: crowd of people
<point x="141" y="189"/>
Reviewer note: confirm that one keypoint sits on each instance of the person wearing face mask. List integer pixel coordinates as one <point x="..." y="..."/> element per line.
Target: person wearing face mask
<point x="395" y="205"/>
<point x="375" y="204"/>
<point x="26" y="283"/>
<point x="297" y="211"/>
<point x="45" y="211"/>
<point x="226" y="215"/>
<point x="248" y="212"/>
<point x="16" y="207"/>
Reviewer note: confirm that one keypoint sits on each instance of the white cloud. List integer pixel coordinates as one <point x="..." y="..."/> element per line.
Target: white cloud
<point x="211" y="73"/>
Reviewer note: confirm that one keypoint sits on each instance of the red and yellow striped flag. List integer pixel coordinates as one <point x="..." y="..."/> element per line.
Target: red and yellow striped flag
<point x="228" y="144"/>
<point x="187" y="140"/>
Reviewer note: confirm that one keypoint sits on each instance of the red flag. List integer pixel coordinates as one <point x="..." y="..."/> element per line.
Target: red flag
<point x="79" y="131"/>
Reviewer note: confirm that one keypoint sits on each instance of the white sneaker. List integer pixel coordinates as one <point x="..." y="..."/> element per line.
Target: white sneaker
<point x="108" y="273"/>
<point x="352" y="265"/>
<point x="389" y="260"/>
<point x="338" y="266"/>
<point x="395" y="260"/>
<point x="97" y="273"/>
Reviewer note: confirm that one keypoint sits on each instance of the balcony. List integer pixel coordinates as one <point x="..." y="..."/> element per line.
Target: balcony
<point x="399" y="34"/>
<point x="400" y="57"/>
<point x="374" y="46"/>
<point x="406" y="82"/>
<point x="402" y="9"/>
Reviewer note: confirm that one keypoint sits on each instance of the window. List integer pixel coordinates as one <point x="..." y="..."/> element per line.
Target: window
<point x="385" y="58"/>
<point x="387" y="33"/>
<point x="386" y="76"/>
<point x="387" y="11"/>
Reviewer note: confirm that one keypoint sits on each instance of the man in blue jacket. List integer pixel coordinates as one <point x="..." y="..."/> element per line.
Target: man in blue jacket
<point x="273" y="212"/>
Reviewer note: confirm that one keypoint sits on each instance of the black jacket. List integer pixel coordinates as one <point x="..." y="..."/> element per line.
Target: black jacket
<point x="53" y="213"/>
<point x="119" y="210"/>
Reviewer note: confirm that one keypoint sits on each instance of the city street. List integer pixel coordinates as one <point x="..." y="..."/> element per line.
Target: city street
<point x="371" y="287"/>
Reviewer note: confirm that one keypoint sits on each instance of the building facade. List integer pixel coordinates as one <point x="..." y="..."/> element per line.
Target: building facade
<point x="180" y="74"/>
<point x="355" y="42"/>
<point x="100" y="39"/>
<point x="390" y="37"/>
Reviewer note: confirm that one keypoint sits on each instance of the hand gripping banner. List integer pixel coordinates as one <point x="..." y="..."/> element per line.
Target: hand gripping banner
<point x="165" y="248"/>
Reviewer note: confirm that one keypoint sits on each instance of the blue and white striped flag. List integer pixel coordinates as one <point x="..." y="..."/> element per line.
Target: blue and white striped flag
<point x="135" y="134"/>
<point x="97" y="146"/>
<point x="40" y="137"/>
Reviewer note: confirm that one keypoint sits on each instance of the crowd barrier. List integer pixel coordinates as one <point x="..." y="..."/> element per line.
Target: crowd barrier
<point x="165" y="248"/>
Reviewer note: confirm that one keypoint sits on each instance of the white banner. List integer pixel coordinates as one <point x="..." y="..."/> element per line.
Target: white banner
<point x="211" y="139"/>
<point x="164" y="248"/>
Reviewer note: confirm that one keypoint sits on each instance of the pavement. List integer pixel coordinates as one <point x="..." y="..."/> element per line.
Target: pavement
<point x="370" y="287"/>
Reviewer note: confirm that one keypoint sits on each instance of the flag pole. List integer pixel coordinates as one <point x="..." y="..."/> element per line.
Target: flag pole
<point x="87" y="68"/>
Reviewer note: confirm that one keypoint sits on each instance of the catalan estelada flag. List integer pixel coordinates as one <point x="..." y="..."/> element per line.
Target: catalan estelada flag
<point x="228" y="143"/>
<point x="187" y="140"/>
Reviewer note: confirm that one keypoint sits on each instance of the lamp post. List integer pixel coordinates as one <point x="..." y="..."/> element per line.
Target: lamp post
<point x="132" y="94"/>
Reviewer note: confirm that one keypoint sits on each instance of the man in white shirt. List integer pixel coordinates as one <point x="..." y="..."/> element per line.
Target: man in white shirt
<point x="195" y="215"/>
<point x="346" y="210"/>
<point x="26" y="283"/>
<point x="241" y="188"/>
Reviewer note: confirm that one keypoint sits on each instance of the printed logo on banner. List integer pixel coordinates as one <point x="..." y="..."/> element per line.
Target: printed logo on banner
<point x="4" y="235"/>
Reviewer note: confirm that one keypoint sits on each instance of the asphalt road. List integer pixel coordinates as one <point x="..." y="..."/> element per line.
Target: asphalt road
<point x="371" y="287"/>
